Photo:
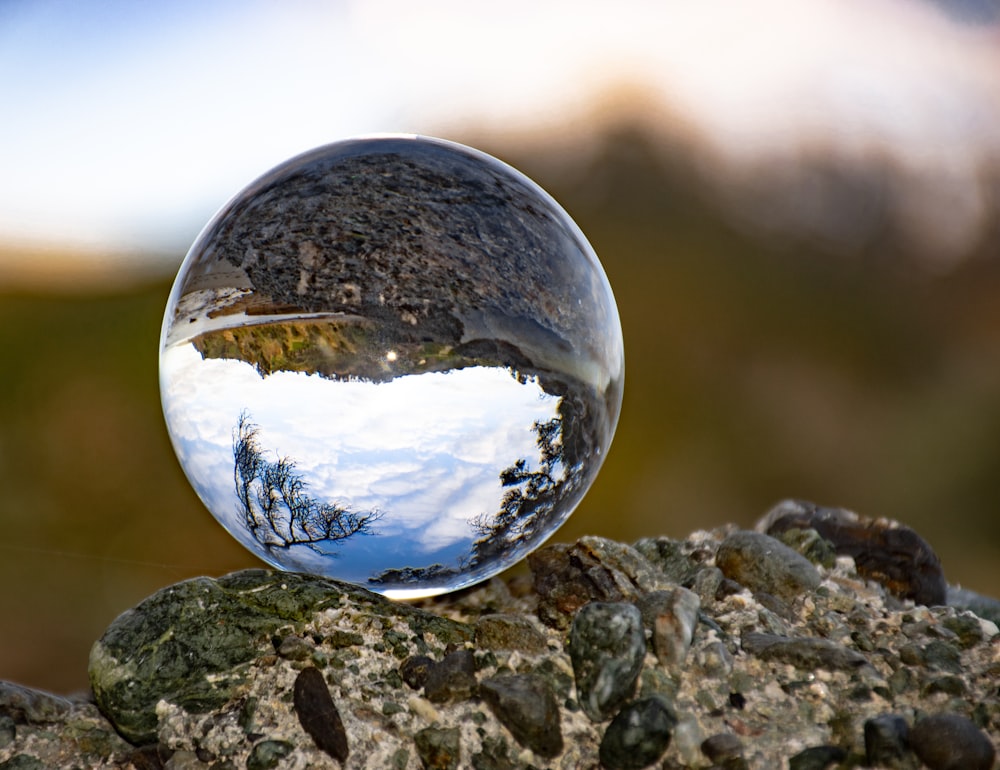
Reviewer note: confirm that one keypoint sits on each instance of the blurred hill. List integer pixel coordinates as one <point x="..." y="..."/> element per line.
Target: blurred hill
<point x="766" y="358"/>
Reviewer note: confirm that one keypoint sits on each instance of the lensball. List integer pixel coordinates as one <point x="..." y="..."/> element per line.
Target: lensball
<point x="394" y="361"/>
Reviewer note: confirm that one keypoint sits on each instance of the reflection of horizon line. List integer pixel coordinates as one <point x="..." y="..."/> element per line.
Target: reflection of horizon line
<point x="242" y="319"/>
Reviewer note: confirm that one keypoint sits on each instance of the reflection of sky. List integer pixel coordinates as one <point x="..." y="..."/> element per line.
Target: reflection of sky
<point x="425" y="450"/>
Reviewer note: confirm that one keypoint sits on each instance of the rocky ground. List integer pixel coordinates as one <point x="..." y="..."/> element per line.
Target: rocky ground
<point x="820" y="640"/>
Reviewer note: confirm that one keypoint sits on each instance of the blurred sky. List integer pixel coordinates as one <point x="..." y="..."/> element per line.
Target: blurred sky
<point x="126" y="125"/>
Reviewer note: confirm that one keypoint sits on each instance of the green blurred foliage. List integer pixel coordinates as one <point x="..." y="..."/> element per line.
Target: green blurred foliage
<point x="757" y="367"/>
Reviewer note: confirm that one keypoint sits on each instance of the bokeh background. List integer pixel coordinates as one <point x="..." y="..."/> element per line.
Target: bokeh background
<point x="797" y="203"/>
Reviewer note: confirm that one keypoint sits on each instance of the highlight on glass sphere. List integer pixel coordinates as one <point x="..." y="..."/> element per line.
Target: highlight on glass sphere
<point x="394" y="361"/>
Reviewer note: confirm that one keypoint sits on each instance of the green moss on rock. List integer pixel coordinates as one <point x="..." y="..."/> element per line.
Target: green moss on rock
<point x="193" y="643"/>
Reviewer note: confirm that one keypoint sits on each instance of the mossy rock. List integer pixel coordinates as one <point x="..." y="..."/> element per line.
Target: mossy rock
<point x="192" y="644"/>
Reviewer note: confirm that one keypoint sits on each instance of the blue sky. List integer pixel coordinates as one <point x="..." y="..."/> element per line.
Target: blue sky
<point x="126" y="125"/>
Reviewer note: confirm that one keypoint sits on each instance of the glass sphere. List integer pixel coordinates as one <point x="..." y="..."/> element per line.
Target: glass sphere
<point x="393" y="360"/>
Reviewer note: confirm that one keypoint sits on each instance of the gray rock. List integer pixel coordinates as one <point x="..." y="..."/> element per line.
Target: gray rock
<point x="526" y="705"/>
<point x="607" y="647"/>
<point x="23" y="704"/>
<point x="673" y="627"/>
<point x="372" y="656"/>
<point x="672" y="557"/>
<point x="707" y="582"/>
<point x="722" y="748"/>
<point x="453" y="678"/>
<point x="802" y="652"/>
<point x="984" y="606"/>
<point x="951" y="742"/>
<point x="638" y="736"/>
<point x="942" y="656"/>
<point x="765" y="565"/>
<point x="886" y="740"/>
<point x="8" y="731"/>
<point x="173" y="648"/>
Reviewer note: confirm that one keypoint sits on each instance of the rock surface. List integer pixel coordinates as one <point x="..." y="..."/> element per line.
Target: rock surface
<point x="659" y="655"/>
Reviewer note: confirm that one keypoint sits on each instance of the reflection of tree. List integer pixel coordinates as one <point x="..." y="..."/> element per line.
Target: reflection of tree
<point x="273" y="500"/>
<point x="413" y="575"/>
<point x="532" y="502"/>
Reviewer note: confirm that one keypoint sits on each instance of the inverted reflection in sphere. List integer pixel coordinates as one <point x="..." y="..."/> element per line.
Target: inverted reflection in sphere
<point x="394" y="361"/>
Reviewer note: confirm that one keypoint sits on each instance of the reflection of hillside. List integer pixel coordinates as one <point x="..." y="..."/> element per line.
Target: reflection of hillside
<point x="341" y="349"/>
<point x="352" y="348"/>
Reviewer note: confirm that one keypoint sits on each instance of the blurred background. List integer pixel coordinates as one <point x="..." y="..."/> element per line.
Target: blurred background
<point x="797" y="203"/>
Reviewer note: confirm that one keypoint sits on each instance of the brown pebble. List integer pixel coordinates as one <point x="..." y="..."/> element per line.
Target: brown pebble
<point x="318" y="715"/>
<point x="414" y="670"/>
<point x="509" y="632"/>
<point x="566" y="577"/>
<point x="884" y="551"/>
<point x="951" y="742"/>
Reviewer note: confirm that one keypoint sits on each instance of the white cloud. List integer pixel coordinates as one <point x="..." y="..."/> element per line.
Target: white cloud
<point x="425" y="450"/>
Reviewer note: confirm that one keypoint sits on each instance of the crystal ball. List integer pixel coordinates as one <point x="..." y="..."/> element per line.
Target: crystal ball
<point x="394" y="361"/>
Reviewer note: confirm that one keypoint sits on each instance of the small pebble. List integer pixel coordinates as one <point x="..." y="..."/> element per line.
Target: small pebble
<point x="715" y="660"/>
<point x="414" y="670"/>
<point x="267" y="754"/>
<point x="451" y="679"/>
<point x="967" y="628"/>
<point x="508" y="632"/>
<point x="886" y="739"/>
<point x="184" y="760"/>
<point x="673" y="628"/>
<point x="23" y="762"/>
<point x="624" y="560"/>
<point x="638" y="736"/>
<point x="439" y="747"/>
<point x="670" y="558"/>
<point x="943" y="656"/>
<point x="949" y="685"/>
<point x="318" y="714"/>
<point x="802" y="652"/>
<point x="722" y="747"/>
<point x="817" y="758"/>
<point x="295" y="648"/>
<point x="765" y="565"/>
<point x="26" y="705"/>
<point x="8" y="731"/>
<point x="526" y="705"/>
<point x="607" y="646"/>
<point x="567" y="577"/>
<point x="494" y="756"/>
<point x="707" y="582"/>
<point x="687" y="740"/>
<point x="951" y="742"/>
<point x="985" y="607"/>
